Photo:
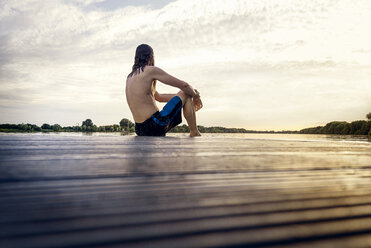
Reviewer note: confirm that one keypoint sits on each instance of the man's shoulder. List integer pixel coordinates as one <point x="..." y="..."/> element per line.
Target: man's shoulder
<point x="154" y="69"/>
<point x="151" y="69"/>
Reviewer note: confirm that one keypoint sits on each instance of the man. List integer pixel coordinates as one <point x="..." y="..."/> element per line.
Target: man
<point x="141" y="96"/>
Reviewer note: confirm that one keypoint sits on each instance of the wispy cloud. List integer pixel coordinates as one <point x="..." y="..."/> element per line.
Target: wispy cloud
<point x="258" y="64"/>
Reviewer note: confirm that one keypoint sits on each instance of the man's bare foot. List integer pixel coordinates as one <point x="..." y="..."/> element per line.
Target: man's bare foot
<point x="194" y="134"/>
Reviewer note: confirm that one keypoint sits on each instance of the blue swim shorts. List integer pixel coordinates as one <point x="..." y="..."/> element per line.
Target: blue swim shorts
<point x="162" y="121"/>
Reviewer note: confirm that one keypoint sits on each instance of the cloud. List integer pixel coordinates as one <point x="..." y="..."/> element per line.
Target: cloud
<point x="261" y="64"/>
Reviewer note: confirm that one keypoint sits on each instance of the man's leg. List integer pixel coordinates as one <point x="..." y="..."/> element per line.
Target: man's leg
<point x="189" y="113"/>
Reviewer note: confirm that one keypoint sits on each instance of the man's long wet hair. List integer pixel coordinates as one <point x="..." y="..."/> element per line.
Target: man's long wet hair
<point x="143" y="57"/>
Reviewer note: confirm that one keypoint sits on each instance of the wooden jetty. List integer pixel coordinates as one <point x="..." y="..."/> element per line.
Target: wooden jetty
<point x="213" y="191"/>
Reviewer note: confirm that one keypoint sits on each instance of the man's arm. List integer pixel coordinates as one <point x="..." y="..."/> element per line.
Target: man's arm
<point x="159" y="74"/>
<point x="163" y="97"/>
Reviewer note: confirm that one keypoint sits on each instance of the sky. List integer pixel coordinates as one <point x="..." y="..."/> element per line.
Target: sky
<point x="258" y="64"/>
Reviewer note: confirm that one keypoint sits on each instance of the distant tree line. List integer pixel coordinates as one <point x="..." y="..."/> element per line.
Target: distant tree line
<point x="359" y="127"/>
<point x="124" y="125"/>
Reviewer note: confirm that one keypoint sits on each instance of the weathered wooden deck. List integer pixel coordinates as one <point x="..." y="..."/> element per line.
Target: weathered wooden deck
<point x="214" y="191"/>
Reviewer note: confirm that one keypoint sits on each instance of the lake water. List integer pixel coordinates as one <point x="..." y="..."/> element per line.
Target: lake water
<point x="89" y="190"/>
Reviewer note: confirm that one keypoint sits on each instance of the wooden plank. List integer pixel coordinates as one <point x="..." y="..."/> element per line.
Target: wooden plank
<point x="202" y="234"/>
<point x="185" y="214"/>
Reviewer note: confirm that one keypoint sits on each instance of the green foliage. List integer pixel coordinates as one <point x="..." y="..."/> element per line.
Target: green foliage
<point x="368" y="116"/>
<point x="312" y="130"/>
<point x="56" y="128"/>
<point x="360" y="127"/>
<point x="19" y="128"/>
<point x="126" y="126"/>
<point x="125" y="123"/>
<point x="71" y="129"/>
<point x="355" y="128"/>
<point x="87" y="123"/>
<point x="336" y="127"/>
<point x="46" y="126"/>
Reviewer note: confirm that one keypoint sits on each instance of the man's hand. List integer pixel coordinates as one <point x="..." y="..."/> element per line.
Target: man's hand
<point x="197" y="103"/>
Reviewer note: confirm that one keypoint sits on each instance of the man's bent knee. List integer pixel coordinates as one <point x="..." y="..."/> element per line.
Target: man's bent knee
<point x="183" y="96"/>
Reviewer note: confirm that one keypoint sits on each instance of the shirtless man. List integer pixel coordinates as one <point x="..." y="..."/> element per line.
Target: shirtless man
<point x="141" y="96"/>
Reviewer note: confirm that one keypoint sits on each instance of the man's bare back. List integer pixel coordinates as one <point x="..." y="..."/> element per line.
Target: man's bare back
<point x="140" y="92"/>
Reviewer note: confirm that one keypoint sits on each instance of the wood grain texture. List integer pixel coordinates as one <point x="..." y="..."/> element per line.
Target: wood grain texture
<point x="68" y="190"/>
